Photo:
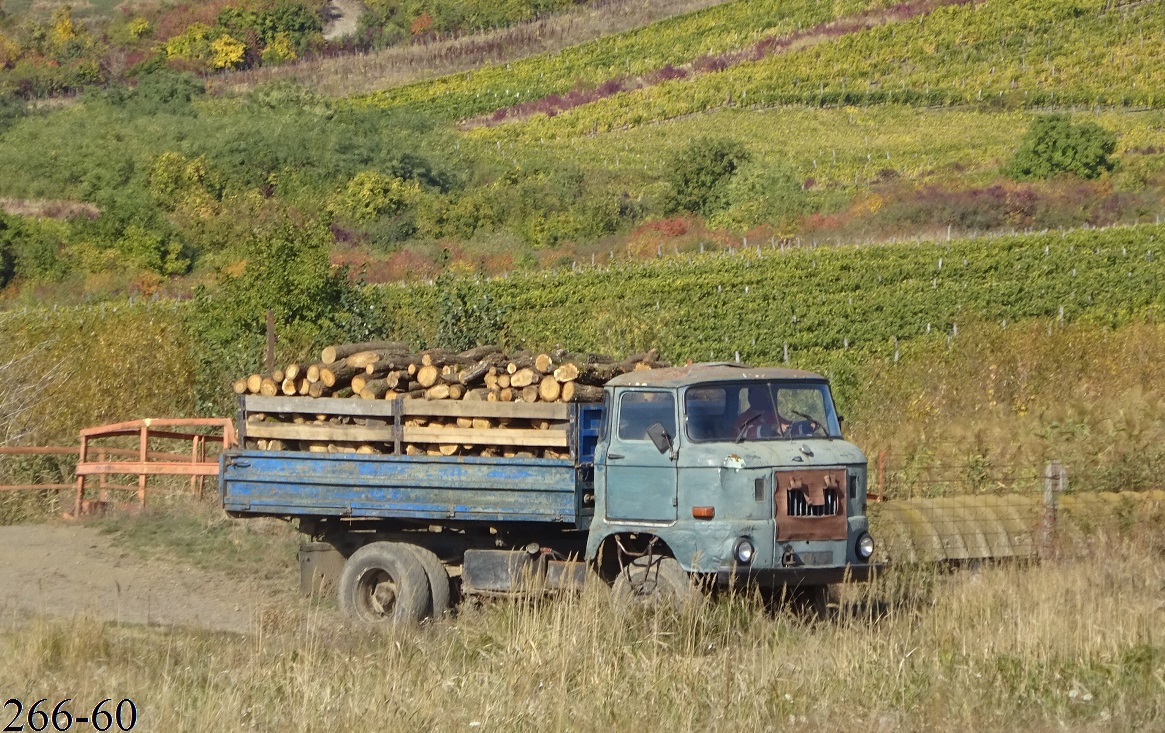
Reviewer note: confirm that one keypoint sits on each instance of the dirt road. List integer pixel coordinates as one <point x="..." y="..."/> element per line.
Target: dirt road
<point x="70" y="570"/>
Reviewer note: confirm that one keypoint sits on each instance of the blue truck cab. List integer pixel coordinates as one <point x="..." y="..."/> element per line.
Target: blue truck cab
<point x="683" y="479"/>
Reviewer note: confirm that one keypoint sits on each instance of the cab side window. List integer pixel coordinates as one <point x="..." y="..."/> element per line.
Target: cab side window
<point x="640" y="410"/>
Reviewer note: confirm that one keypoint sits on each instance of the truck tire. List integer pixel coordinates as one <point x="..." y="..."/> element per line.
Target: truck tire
<point x="662" y="583"/>
<point x="383" y="582"/>
<point x="438" y="579"/>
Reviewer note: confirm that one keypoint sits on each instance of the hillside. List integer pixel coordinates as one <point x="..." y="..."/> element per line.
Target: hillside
<point x="841" y="121"/>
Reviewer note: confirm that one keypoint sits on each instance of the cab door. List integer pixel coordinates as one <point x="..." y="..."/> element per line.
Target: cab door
<point x="641" y="481"/>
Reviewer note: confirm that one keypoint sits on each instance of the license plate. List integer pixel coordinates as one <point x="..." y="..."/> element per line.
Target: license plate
<point x="820" y="557"/>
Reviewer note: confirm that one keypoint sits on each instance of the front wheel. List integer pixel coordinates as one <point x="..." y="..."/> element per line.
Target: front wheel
<point x="384" y="582"/>
<point x="656" y="581"/>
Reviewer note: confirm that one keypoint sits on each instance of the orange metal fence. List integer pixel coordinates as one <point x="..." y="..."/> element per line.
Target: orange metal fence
<point x="103" y="461"/>
<point x="149" y="463"/>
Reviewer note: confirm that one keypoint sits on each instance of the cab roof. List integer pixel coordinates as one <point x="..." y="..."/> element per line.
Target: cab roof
<point x="681" y="376"/>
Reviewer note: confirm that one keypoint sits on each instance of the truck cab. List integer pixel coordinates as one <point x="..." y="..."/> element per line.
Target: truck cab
<point x="728" y="473"/>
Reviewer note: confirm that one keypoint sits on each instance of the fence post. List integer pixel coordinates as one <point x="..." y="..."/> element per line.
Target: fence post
<point x="82" y="457"/>
<point x="143" y="451"/>
<point x="1055" y="481"/>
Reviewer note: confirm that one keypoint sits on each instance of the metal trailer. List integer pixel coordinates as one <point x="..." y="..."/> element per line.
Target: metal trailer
<point x="668" y="481"/>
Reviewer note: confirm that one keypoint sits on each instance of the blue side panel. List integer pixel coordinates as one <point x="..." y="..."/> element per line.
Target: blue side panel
<point x="590" y="421"/>
<point x="413" y="487"/>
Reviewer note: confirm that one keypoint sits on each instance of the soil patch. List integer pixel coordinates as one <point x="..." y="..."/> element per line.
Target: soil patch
<point x="71" y="570"/>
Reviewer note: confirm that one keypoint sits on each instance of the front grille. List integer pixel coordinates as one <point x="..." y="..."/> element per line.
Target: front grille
<point x="799" y="506"/>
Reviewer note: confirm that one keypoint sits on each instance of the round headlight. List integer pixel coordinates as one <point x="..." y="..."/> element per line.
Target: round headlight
<point x="865" y="546"/>
<point x="744" y="551"/>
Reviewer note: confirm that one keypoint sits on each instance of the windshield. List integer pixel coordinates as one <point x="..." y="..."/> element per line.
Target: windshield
<point x="760" y="411"/>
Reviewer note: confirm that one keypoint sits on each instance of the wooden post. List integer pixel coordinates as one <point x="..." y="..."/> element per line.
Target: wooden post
<point x="82" y="457"/>
<point x="1055" y="481"/>
<point x="193" y="459"/>
<point x="102" y="480"/>
<point x="270" y="360"/>
<point x="143" y="451"/>
<point x="881" y="474"/>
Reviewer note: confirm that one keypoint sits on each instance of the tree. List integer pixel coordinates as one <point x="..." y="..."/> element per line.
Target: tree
<point x="698" y="173"/>
<point x="286" y="270"/>
<point x="1054" y="145"/>
<point x="7" y="259"/>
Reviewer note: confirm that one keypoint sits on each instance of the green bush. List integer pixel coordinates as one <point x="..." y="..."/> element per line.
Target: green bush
<point x="286" y="270"/>
<point x="7" y="258"/>
<point x="1054" y="145"/>
<point x="699" y="172"/>
<point x="763" y="193"/>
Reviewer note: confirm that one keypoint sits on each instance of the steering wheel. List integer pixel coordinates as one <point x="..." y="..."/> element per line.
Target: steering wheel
<point x="745" y="425"/>
<point x="806" y="427"/>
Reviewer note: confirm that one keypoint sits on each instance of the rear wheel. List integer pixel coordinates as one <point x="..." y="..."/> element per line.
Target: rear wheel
<point x="384" y="582"/>
<point x="656" y="581"/>
<point x="438" y="578"/>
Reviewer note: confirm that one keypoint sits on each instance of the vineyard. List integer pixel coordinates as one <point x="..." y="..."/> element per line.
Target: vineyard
<point x="764" y="302"/>
<point x="1031" y="53"/>
<point x="672" y="42"/>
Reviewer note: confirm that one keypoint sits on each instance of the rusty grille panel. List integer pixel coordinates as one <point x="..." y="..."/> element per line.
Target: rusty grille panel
<point x="810" y="504"/>
<point x="799" y="505"/>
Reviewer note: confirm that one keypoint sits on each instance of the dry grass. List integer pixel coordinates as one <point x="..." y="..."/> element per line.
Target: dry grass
<point x="1075" y="646"/>
<point x="366" y="72"/>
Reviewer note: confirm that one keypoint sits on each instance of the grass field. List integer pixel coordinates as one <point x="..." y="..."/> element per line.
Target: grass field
<point x="1073" y="646"/>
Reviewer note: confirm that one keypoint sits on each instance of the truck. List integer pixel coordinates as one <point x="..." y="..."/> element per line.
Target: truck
<point x="682" y="481"/>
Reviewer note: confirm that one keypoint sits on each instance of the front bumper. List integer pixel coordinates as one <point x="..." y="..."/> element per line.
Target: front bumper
<point x="795" y="576"/>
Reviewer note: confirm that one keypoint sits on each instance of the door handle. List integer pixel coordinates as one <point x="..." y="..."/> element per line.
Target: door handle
<point x="615" y="456"/>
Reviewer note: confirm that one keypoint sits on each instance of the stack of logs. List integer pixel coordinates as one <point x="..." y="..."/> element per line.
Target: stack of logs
<point x="389" y="370"/>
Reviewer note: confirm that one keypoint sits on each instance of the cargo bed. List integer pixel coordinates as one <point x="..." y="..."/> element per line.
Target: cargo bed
<point x="445" y="489"/>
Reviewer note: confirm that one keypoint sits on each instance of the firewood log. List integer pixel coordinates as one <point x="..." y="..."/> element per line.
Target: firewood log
<point x="289" y="387"/>
<point x="549" y="389"/>
<point x="239" y="386"/>
<point x="503" y="380"/>
<point x="529" y="393"/>
<point x="428" y="375"/>
<point x="313" y="372"/>
<point x="373" y="389"/>
<point x="268" y="388"/>
<point x="543" y="363"/>
<point x="438" y="392"/>
<point x="359" y="380"/>
<point x="393" y="363"/>
<point x="332" y="354"/>
<point x="576" y="392"/>
<point x="479" y="353"/>
<point x="337" y="373"/>
<point x="523" y="377"/>
<point x="292" y="371"/>
<point x="254" y="383"/>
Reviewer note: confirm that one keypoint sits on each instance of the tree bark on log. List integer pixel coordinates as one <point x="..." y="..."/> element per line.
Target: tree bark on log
<point x="479" y="353"/>
<point x="373" y="389"/>
<point x="337" y="373"/>
<point x="576" y="392"/>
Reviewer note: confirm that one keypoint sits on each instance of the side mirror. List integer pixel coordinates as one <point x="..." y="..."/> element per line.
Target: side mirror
<point x="658" y="434"/>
